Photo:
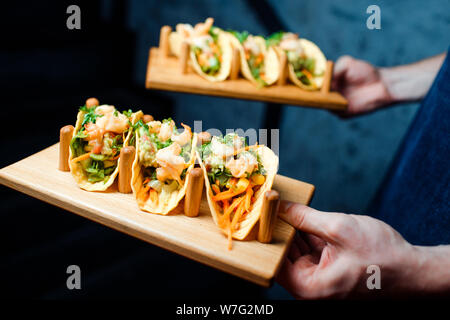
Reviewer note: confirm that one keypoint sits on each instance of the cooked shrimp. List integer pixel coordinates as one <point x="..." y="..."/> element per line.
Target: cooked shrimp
<point x="184" y="137"/>
<point x="220" y="149"/>
<point x="94" y="132"/>
<point x="171" y="164"/>
<point x="185" y="30"/>
<point x="252" y="46"/>
<point x="154" y="126"/>
<point x="166" y="130"/>
<point x="242" y="166"/>
<point x="109" y="121"/>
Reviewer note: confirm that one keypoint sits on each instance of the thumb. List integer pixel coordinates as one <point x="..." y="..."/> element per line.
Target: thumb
<point x="309" y="220"/>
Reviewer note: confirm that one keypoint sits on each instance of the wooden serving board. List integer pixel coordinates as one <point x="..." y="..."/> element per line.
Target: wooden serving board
<point x="164" y="73"/>
<point x="195" y="238"/>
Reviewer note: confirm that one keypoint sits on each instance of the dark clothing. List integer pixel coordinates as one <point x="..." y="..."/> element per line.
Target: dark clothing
<point x="415" y="196"/>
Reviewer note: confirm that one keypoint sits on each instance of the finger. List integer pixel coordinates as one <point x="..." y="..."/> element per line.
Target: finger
<point x="315" y="243"/>
<point x="286" y="277"/>
<point x="341" y="66"/>
<point x="310" y="220"/>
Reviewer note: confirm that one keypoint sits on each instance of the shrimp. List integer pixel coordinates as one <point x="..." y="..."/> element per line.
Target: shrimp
<point x="184" y="137"/>
<point x="185" y="30"/>
<point x="154" y="126"/>
<point x="171" y="163"/>
<point x="109" y="121"/>
<point x="242" y="166"/>
<point x="166" y="130"/>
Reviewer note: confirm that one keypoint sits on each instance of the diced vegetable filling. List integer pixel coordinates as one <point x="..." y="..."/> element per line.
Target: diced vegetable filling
<point x="208" y="52"/>
<point x="164" y="155"/>
<point x="235" y="173"/>
<point x="97" y="144"/>
<point x="304" y="67"/>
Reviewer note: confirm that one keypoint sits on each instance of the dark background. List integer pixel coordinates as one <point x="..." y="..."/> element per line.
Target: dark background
<point x="47" y="71"/>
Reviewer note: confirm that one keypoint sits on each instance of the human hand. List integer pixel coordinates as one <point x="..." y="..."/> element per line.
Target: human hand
<point x="329" y="258"/>
<point x="361" y="84"/>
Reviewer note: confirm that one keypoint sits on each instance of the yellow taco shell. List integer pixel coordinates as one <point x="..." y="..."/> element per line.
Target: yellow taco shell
<point x="76" y="169"/>
<point x="167" y="201"/>
<point x="311" y="50"/>
<point x="271" y="62"/>
<point x="270" y="162"/>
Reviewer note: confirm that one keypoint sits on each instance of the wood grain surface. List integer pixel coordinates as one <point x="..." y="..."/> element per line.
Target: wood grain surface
<point x="163" y="73"/>
<point x="195" y="238"/>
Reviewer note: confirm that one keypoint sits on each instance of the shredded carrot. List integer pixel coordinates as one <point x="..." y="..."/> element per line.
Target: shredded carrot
<point x="230" y="239"/>
<point x="215" y="188"/>
<point x="82" y="157"/>
<point x="115" y="158"/>
<point x="146" y="180"/>
<point x="226" y="205"/>
<point x="226" y="195"/>
<point x="248" y="197"/>
<point x="238" y="214"/>
<point x="245" y="149"/>
<point x="307" y="74"/>
<point x="236" y="202"/>
<point x="144" y="193"/>
<point x="154" y="196"/>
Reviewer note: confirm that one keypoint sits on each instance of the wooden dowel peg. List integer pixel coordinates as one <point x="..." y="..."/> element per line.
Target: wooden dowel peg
<point x="283" y="69"/>
<point x="147" y="118"/>
<point x="327" y="77"/>
<point x="164" y="40"/>
<point x="235" y="64"/>
<point x="268" y="217"/>
<point x="126" y="162"/>
<point x="184" y="56"/>
<point x="193" y="193"/>
<point x="92" y="102"/>
<point x="65" y="136"/>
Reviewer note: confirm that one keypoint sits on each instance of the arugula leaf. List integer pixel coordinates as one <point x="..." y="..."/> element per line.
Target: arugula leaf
<point x="241" y="36"/>
<point x="128" y="113"/>
<point x="90" y="115"/>
<point x="274" y="39"/>
<point x="214" y="33"/>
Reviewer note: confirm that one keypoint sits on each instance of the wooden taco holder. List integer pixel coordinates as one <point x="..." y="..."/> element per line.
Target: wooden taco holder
<point x="166" y="72"/>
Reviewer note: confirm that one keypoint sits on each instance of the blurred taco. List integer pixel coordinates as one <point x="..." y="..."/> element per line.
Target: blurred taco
<point x="210" y="49"/>
<point x="236" y="178"/>
<point x="163" y="160"/>
<point x="100" y="133"/>
<point x="306" y="62"/>
<point x="259" y="63"/>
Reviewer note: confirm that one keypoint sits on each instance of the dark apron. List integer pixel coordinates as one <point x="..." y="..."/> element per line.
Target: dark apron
<point x="415" y="195"/>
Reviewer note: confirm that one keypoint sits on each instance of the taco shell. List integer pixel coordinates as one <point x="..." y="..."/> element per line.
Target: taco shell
<point x="225" y="65"/>
<point x="271" y="61"/>
<point x="76" y="169"/>
<point x="270" y="162"/>
<point x="167" y="200"/>
<point x="313" y="51"/>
